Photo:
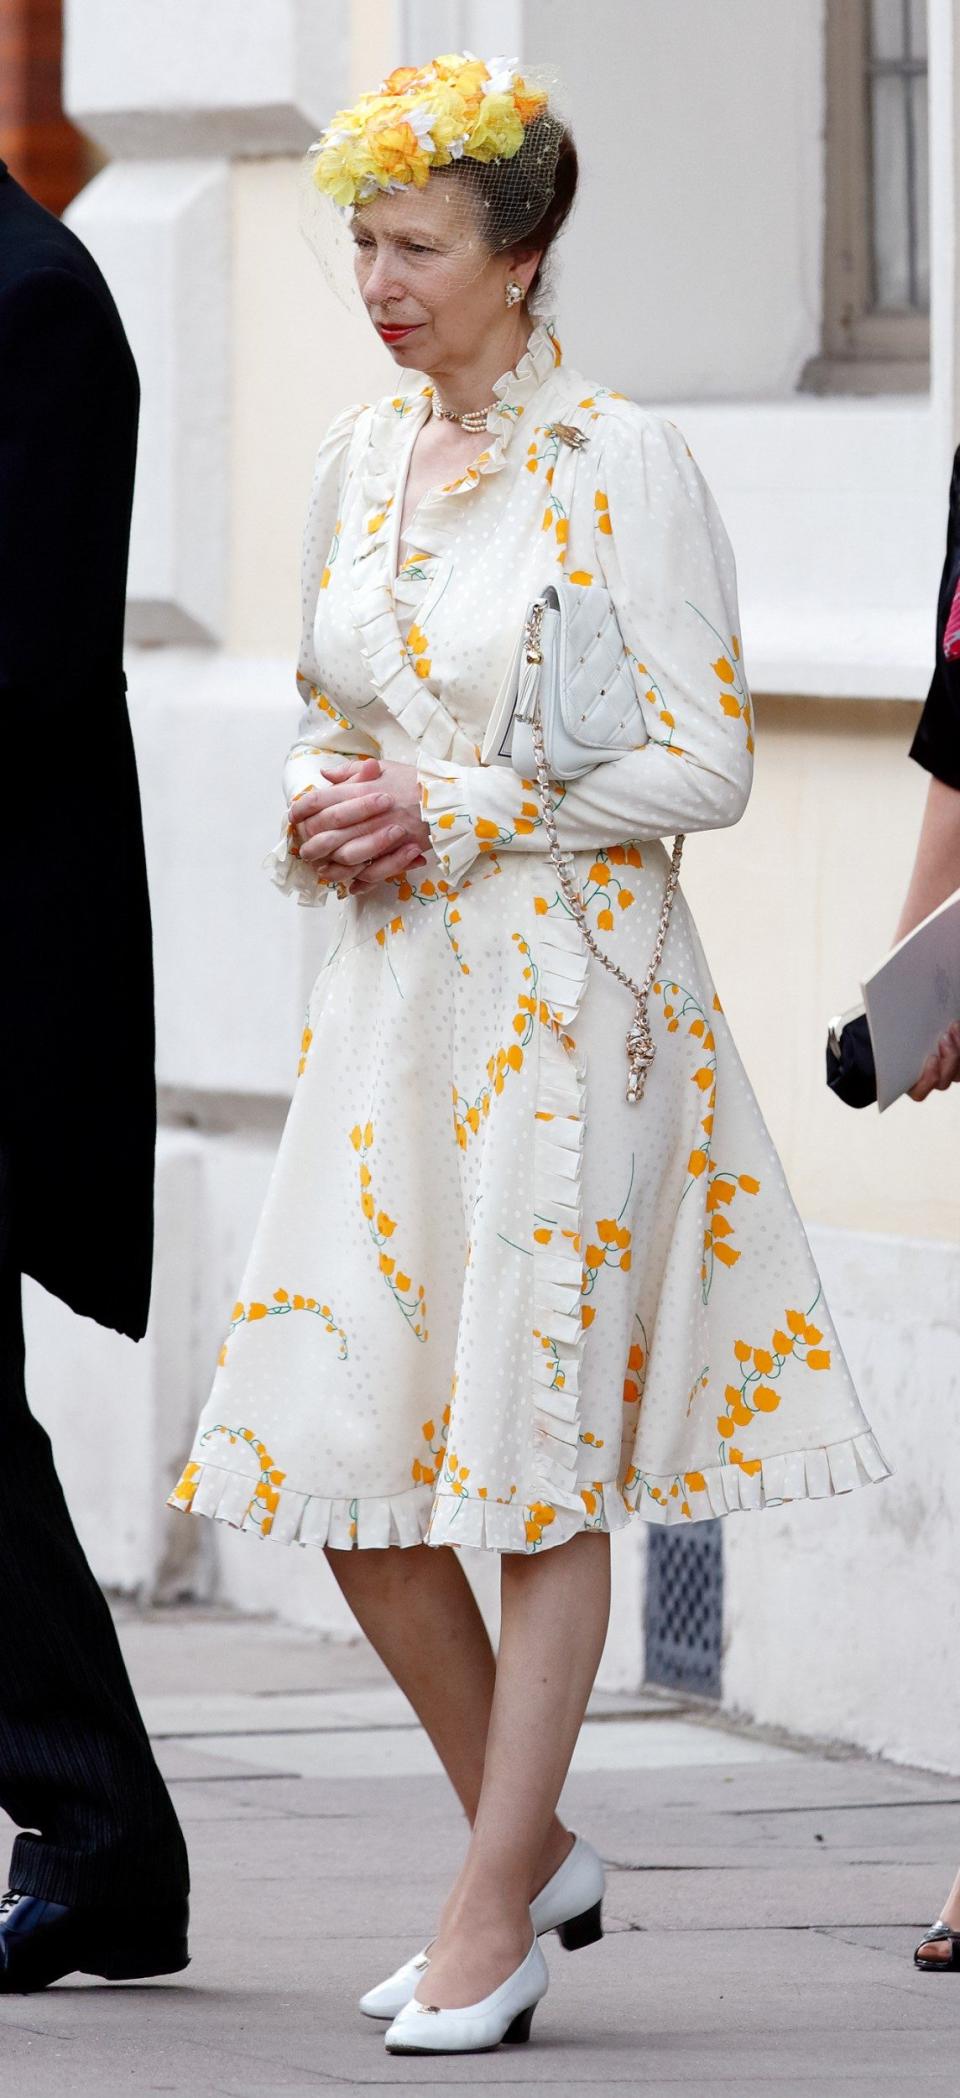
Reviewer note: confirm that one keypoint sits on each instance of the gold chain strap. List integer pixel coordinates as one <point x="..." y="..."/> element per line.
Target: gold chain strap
<point x="640" y="1045"/>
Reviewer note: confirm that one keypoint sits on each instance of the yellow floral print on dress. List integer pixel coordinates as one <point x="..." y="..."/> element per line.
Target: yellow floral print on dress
<point x="410" y="1298"/>
<point x="282" y="1303"/>
<point x="265" y="1499"/>
<point x="593" y="1321"/>
<point x="468" y="1114"/>
<point x="417" y="646"/>
<point x="761" y="1368"/>
<point x="425" y="1469"/>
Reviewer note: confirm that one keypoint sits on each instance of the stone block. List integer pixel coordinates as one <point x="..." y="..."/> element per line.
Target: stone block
<point x="621" y="1663"/>
<point x="118" y="1412"/>
<point x="167" y="77"/>
<point x="160" y="233"/>
<point x="234" y="958"/>
<point x="821" y="1601"/>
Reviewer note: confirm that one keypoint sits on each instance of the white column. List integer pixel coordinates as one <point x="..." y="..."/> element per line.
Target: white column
<point x="176" y="95"/>
<point x="943" y="35"/>
<point x="160" y="231"/>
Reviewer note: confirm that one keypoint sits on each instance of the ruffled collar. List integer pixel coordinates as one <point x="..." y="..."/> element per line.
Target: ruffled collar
<point x="395" y="421"/>
<point x="512" y="393"/>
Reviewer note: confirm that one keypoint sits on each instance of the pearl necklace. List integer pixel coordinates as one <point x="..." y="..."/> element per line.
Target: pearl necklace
<point x="474" y="419"/>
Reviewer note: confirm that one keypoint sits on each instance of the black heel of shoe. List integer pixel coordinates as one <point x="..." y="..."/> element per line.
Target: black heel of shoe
<point x="520" y="2029"/>
<point x="581" y="1930"/>
<point x="143" y="1963"/>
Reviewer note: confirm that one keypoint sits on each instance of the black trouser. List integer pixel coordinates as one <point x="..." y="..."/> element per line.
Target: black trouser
<point x="75" y="1761"/>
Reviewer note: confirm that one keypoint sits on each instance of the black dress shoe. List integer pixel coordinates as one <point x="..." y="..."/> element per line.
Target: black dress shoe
<point x="41" y="1941"/>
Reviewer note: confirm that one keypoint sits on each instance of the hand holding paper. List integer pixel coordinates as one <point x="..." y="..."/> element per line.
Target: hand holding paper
<point x="913" y="1000"/>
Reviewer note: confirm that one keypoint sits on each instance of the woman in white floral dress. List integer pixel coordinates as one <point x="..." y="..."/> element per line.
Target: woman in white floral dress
<point x="489" y="1302"/>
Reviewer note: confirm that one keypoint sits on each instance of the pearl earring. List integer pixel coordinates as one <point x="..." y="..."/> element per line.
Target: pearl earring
<point x="514" y="293"/>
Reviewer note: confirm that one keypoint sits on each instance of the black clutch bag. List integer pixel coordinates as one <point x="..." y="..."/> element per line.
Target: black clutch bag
<point x="851" y="1071"/>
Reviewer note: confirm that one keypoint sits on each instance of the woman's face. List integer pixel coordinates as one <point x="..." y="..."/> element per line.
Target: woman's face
<point x="431" y="285"/>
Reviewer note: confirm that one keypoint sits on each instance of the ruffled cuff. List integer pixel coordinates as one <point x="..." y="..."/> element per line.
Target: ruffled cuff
<point x="289" y="873"/>
<point x="443" y="800"/>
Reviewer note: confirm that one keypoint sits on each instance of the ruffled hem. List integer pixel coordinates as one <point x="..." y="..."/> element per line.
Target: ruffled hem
<point x="301" y="1518"/>
<point x="423" y="1516"/>
<point x="495" y="1526"/>
<point x="815" y="1474"/>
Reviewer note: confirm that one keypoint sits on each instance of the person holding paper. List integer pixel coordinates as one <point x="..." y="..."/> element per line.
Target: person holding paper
<point x="936" y="874"/>
<point x="866" y="1046"/>
<point x="936" y="746"/>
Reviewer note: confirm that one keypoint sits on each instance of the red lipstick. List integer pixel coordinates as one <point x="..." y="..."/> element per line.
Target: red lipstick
<point x="390" y="335"/>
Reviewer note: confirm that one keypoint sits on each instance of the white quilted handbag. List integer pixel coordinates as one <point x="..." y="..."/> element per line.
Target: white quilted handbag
<point x="570" y="667"/>
<point x="569" y="702"/>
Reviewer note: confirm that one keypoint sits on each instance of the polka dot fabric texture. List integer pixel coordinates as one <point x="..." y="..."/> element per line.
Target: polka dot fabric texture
<point x="489" y="1302"/>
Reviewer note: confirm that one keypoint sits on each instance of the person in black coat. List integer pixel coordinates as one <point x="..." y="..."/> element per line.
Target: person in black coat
<point x="99" y="1883"/>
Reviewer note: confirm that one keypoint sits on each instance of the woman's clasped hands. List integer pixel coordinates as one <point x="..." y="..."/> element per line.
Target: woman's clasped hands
<point x="363" y="826"/>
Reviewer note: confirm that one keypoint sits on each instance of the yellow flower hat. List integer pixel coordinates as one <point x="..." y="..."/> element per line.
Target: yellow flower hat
<point x="422" y="118"/>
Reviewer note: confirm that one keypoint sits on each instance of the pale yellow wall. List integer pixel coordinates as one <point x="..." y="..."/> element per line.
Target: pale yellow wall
<point x="372" y="32"/>
<point x="793" y="905"/>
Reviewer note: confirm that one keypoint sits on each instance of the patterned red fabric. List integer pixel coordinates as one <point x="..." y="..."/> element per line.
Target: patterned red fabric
<point x="951" y="632"/>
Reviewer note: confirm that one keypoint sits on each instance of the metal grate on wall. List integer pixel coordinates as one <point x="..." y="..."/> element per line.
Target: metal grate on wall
<point x="683" y="1612"/>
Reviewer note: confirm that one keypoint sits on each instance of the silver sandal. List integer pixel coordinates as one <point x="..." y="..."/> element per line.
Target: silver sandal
<point x="941" y="1934"/>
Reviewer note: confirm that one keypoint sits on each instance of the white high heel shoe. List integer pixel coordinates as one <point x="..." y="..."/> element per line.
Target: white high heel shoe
<point x="570" y="1903"/>
<point x="506" y="2014"/>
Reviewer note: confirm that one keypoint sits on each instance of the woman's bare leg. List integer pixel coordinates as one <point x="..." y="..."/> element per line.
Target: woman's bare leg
<point x="555" y="1608"/>
<point x="420" y="1615"/>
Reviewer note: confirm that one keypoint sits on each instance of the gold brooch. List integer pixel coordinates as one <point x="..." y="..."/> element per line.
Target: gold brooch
<point x="568" y="434"/>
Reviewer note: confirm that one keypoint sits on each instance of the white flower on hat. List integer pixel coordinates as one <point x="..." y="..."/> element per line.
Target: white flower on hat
<point x="502" y="73"/>
<point x="420" y="120"/>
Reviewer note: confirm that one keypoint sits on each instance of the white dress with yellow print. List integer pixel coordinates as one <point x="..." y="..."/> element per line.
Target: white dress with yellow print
<point x="489" y="1302"/>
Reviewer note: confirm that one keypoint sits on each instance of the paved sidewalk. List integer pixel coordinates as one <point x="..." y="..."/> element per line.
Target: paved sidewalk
<point x="762" y="1908"/>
